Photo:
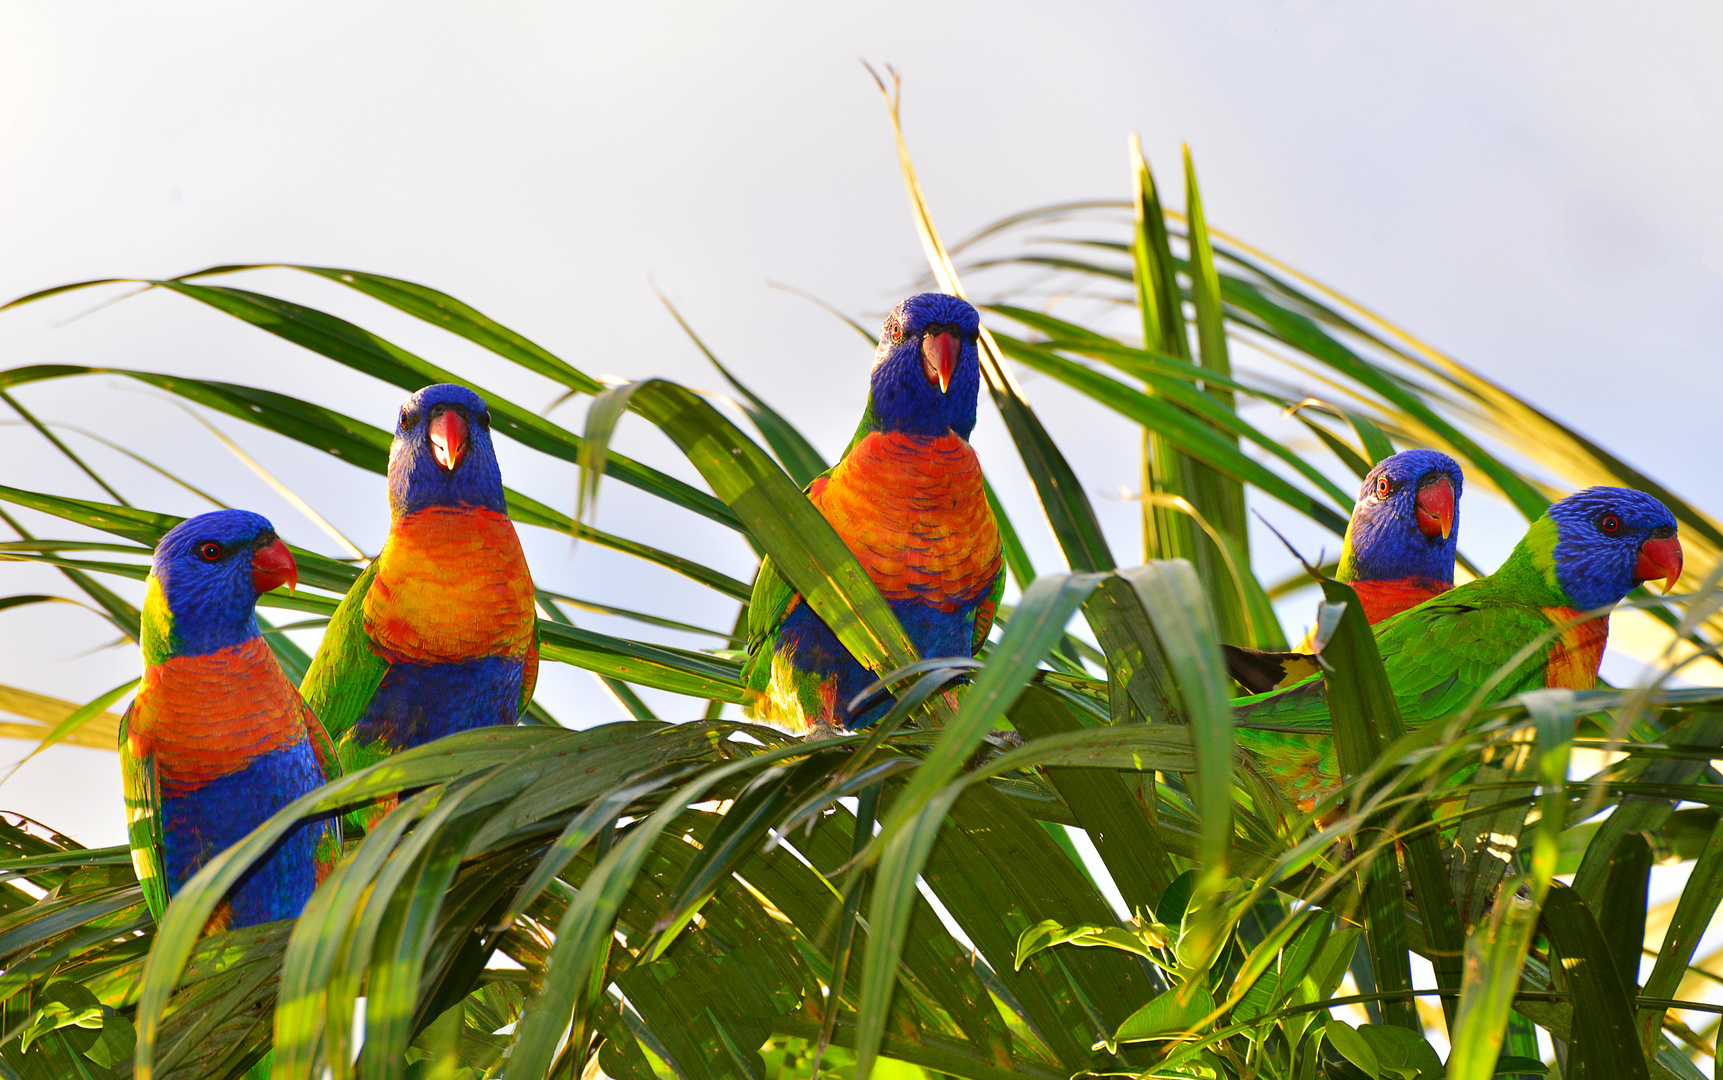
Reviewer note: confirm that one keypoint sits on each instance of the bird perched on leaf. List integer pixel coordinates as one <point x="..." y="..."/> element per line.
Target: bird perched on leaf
<point x="1398" y="553"/>
<point x="439" y="634"/>
<point x="1550" y="597"/>
<point x="217" y="740"/>
<point x="908" y="500"/>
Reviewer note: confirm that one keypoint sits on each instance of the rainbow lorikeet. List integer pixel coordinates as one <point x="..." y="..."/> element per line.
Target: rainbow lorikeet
<point x="439" y="634"/>
<point x="1398" y="553"/>
<point x="907" y="497"/>
<point x="1583" y="555"/>
<point x="217" y="739"/>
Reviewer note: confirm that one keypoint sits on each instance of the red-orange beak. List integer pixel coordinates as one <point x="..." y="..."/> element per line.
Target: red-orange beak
<point x="939" y="353"/>
<point x="448" y="438"/>
<point x="272" y="566"/>
<point x="1659" y="559"/>
<point x="1436" y="507"/>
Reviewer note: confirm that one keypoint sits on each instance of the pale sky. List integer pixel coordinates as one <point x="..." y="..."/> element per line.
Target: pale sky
<point x="1536" y="188"/>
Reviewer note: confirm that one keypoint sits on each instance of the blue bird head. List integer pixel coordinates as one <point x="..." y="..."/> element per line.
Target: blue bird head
<point x="205" y="578"/>
<point x="442" y="454"/>
<point x="1407" y="521"/>
<point x="1607" y="540"/>
<point x="927" y="369"/>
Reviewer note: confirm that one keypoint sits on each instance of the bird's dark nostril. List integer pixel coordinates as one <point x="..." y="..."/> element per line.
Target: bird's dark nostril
<point x="1663" y="532"/>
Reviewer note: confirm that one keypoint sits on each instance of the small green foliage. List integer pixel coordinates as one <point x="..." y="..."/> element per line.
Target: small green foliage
<point x="71" y="1035"/>
<point x="1145" y="940"/>
<point x="1386" y="1052"/>
<point x="1180" y="1009"/>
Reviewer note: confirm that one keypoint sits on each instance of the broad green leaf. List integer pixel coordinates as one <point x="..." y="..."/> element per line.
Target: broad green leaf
<point x="780" y="519"/>
<point x="997" y="874"/>
<point x="1219" y="498"/>
<point x="744" y="826"/>
<point x="1038" y="622"/>
<point x="1166" y="534"/>
<point x="910" y="829"/>
<point x="403" y="935"/>
<point x="1048" y="933"/>
<point x="1603" y="1037"/>
<point x="794" y="452"/>
<point x="1621" y="916"/>
<point x="1139" y="687"/>
<point x="1348" y="455"/>
<point x="1693" y="915"/>
<point x="1647" y="811"/>
<point x="65" y="1004"/>
<point x="659" y="666"/>
<point x="583" y="936"/>
<point x="1016" y="555"/>
<point x="1168" y="1016"/>
<point x="1495" y="951"/>
<point x="1173" y="599"/>
<point x="1276" y="965"/>
<point x="1118" y="826"/>
<point x="1487" y="842"/>
<point x="1386" y="1052"/>
<point x="1366" y="718"/>
<point x="1376" y="444"/>
<point x="115" y="1044"/>
<point x="308" y="1000"/>
<point x="442" y="310"/>
<point x="1184" y="434"/>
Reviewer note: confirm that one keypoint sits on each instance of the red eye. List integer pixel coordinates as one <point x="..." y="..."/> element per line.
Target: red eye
<point x="1609" y="523"/>
<point x="209" y="551"/>
<point x="1383" y="487"/>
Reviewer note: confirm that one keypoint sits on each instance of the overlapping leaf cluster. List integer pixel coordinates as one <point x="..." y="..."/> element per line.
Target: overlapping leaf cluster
<point x="713" y="899"/>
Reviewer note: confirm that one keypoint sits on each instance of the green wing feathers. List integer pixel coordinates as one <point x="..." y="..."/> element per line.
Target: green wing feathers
<point x="1438" y="655"/>
<point x="529" y="673"/>
<point x="984" y="613"/>
<point x="344" y="676"/>
<point x="768" y="606"/>
<point x="321" y="744"/>
<point x="143" y="820"/>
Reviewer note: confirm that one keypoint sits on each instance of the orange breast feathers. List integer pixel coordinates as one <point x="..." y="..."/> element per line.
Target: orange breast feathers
<point x="453" y="585"/>
<point x="1384" y="598"/>
<point x="914" y="512"/>
<point x="207" y="716"/>
<point x="1577" y="651"/>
